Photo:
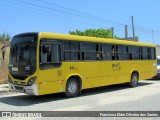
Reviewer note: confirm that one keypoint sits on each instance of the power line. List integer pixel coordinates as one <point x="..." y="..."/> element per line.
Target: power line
<point x="51" y="9"/>
<point x="89" y="15"/>
<point x="44" y="7"/>
<point x="49" y="12"/>
<point x="31" y="9"/>
<point x="145" y="28"/>
<point x="142" y="27"/>
<point x="123" y="23"/>
<point x="50" y="15"/>
<point x="10" y="6"/>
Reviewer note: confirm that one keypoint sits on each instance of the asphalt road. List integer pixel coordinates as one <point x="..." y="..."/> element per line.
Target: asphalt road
<point x="145" y="97"/>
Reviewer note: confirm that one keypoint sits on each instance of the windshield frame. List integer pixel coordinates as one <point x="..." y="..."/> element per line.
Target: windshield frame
<point x="13" y="69"/>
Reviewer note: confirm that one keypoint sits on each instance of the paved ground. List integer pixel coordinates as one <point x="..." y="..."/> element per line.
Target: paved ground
<point x="145" y="97"/>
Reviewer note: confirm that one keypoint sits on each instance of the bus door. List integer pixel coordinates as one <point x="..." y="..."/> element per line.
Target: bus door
<point x="50" y="73"/>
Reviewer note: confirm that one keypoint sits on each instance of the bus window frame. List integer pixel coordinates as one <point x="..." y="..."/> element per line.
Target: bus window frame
<point x="64" y="51"/>
<point x="49" y="65"/>
<point x="83" y="52"/>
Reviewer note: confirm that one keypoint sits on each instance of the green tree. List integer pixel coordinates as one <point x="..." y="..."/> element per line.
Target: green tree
<point x="5" y="37"/>
<point x="101" y="33"/>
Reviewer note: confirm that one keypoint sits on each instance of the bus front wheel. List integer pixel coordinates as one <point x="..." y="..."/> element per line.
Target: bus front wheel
<point x="134" y="80"/>
<point x="72" y="88"/>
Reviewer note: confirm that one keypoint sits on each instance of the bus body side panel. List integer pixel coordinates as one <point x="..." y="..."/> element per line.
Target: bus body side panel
<point x="109" y="76"/>
<point x="54" y="80"/>
<point x="114" y="72"/>
<point x="91" y="74"/>
<point x="123" y="74"/>
<point x="50" y="81"/>
<point x="88" y="71"/>
<point x="148" y="69"/>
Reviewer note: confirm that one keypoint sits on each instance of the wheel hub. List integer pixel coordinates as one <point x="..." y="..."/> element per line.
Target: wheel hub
<point x="72" y="88"/>
<point x="134" y="80"/>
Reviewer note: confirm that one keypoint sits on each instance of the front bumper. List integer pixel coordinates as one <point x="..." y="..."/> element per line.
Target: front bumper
<point x="31" y="90"/>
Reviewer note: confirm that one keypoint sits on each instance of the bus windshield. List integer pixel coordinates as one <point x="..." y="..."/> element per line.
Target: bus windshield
<point x="22" y="55"/>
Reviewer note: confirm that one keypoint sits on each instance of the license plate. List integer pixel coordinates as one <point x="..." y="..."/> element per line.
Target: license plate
<point x="15" y="69"/>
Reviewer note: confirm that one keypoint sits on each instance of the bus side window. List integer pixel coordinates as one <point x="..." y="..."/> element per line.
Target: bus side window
<point x="50" y="52"/>
<point x="144" y="53"/>
<point x="56" y="53"/>
<point x="106" y="53"/>
<point x="113" y="52"/>
<point x="71" y="51"/>
<point x="43" y="54"/>
<point x="98" y="56"/>
<point x="153" y="54"/>
<point x="89" y="51"/>
<point x="134" y="52"/>
<point x="46" y="53"/>
<point x="122" y="52"/>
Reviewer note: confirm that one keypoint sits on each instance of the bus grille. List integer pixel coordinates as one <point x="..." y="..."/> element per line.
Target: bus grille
<point x="18" y="88"/>
<point x="19" y="77"/>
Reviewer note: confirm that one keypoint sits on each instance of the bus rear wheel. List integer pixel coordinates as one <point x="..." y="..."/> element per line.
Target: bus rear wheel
<point x="72" y="88"/>
<point x="134" y="80"/>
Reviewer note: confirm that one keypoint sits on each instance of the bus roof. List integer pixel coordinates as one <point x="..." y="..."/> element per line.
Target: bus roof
<point x="91" y="39"/>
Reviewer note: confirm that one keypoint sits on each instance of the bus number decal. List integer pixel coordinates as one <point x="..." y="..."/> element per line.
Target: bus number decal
<point x="116" y="67"/>
<point x="73" y="68"/>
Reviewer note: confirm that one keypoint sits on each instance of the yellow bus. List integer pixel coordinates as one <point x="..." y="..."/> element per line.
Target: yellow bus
<point x="45" y="63"/>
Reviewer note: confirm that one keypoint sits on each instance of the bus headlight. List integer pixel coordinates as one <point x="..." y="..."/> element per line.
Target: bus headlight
<point x="9" y="79"/>
<point x="31" y="81"/>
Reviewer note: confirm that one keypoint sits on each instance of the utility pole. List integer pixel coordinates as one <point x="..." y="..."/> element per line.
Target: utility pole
<point x="112" y="30"/>
<point x="126" y="31"/>
<point x="153" y="36"/>
<point x="133" y="27"/>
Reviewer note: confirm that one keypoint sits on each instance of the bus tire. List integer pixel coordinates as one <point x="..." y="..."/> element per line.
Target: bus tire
<point x="72" y="88"/>
<point x="134" y="80"/>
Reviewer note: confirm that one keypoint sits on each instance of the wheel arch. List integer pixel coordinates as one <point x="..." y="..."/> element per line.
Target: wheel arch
<point x="77" y="77"/>
<point x="134" y="78"/>
<point x="135" y="71"/>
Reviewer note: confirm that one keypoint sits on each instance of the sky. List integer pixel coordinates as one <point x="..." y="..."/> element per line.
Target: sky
<point x="62" y="16"/>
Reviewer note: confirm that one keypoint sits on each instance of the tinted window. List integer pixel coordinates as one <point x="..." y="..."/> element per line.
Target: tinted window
<point x="71" y="56"/>
<point x="50" y="54"/>
<point x="71" y="50"/>
<point x="122" y="52"/>
<point x="134" y="52"/>
<point x="71" y="45"/>
<point x="144" y="53"/>
<point x="89" y="51"/>
<point x="106" y="52"/>
<point x="152" y="54"/>
<point x="88" y="47"/>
